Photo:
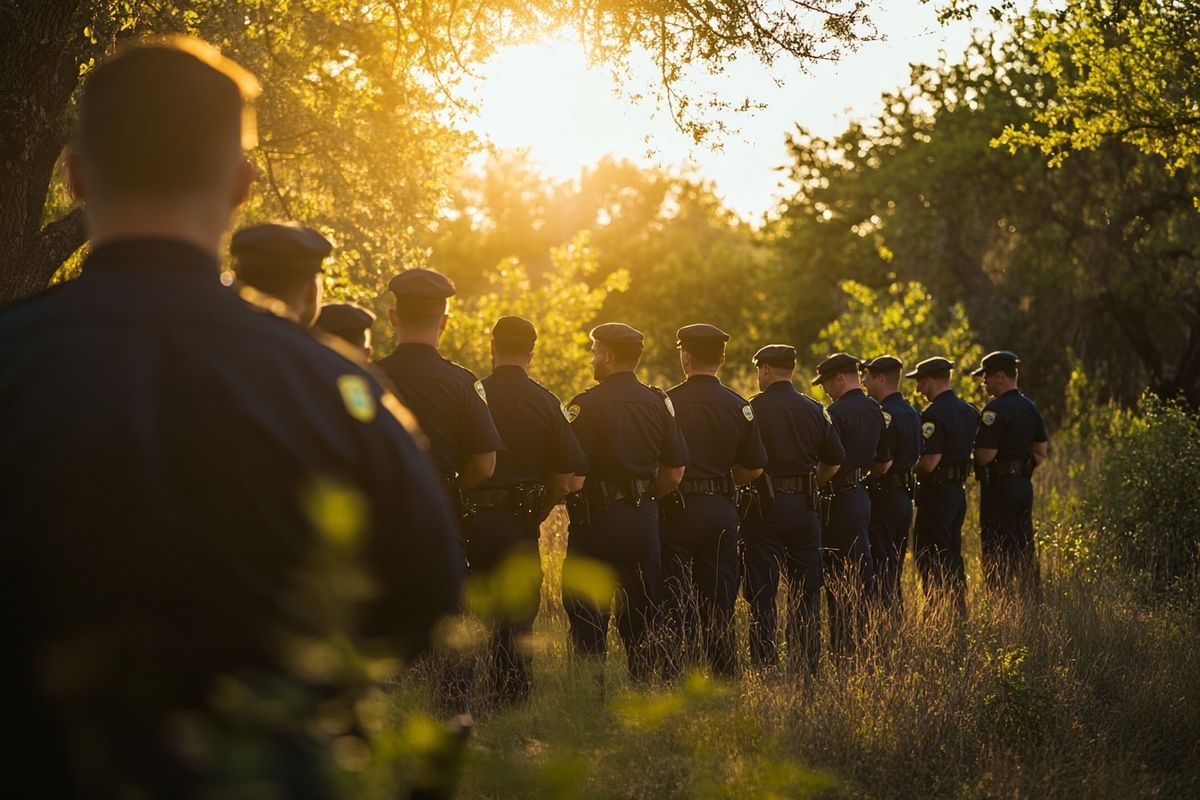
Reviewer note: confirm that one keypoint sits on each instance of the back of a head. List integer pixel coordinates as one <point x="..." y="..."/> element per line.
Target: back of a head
<point x="163" y="120"/>
<point x="705" y="353"/>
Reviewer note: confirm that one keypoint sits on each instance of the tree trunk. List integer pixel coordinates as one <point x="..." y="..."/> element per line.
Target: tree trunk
<point x="42" y="46"/>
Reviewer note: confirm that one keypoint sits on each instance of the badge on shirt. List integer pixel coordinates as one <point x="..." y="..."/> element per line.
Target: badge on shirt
<point x="356" y="395"/>
<point x="887" y="420"/>
<point x="748" y="413"/>
<point x="670" y="406"/>
<point x="927" y="429"/>
<point x="480" y="391"/>
<point x="989" y="417"/>
<point x="571" y="413"/>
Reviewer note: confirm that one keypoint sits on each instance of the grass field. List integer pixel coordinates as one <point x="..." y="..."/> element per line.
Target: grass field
<point x="1089" y="694"/>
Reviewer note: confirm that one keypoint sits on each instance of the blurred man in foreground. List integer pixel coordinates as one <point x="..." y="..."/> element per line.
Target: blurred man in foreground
<point x="185" y="478"/>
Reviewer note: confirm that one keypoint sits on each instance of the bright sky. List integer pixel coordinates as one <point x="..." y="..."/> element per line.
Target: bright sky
<point x="545" y="99"/>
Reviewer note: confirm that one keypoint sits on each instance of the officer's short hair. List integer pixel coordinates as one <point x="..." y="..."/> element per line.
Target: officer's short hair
<point x="707" y="352"/>
<point x="625" y="352"/>
<point x="940" y="375"/>
<point x="513" y="348"/>
<point x="419" y="310"/>
<point x="162" y="119"/>
<point x="273" y="280"/>
<point x="1009" y="371"/>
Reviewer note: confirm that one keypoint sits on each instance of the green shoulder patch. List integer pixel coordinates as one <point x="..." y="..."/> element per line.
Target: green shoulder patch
<point x="356" y="395"/>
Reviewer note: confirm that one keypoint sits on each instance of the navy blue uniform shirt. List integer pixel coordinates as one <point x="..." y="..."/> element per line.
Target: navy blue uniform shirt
<point x="1011" y="424"/>
<point x="796" y="431"/>
<point x="626" y="429"/>
<point x="904" y="432"/>
<point x="948" y="427"/>
<point x="448" y="402"/>
<point x="533" y="424"/>
<point x="168" y="454"/>
<point x="719" y="427"/>
<point x="862" y="427"/>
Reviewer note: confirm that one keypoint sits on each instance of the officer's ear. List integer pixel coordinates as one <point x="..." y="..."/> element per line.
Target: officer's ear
<point x="75" y="181"/>
<point x="246" y="174"/>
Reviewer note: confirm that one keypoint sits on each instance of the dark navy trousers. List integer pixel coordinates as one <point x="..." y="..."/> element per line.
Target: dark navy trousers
<point x="1006" y="533"/>
<point x="500" y="548"/>
<point x="700" y="581"/>
<point x="624" y="539"/>
<point x="937" y="541"/>
<point x="891" y="519"/>
<point x="784" y="542"/>
<point x="849" y="570"/>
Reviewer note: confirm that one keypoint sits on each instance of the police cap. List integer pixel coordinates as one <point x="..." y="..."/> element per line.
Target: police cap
<point x="835" y="364"/>
<point x="883" y="364"/>
<point x="516" y="330"/>
<point x="345" y="320"/>
<point x="617" y="333"/>
<point x="998" y="360"/>
<point x="700" y="332"/>
<point x="427" y="283"/>
<point x="931" y="366"/>
<point x="776" y="355"/>
<point x="280" y="246"/>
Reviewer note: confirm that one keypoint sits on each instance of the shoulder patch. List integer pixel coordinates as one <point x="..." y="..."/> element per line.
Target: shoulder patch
<point x="927" y="429"/>
<point x="479" y="390"/>
<point x="887" y="419"/>
<point x="571" y="412"/>
<point x="989" y="417"/>
<point x="670" y="406"/>
<point x="748" y="413"/>
<point x="566" y="414"/>
<point x="828" y="418"/>
<point x="356" y="395"/>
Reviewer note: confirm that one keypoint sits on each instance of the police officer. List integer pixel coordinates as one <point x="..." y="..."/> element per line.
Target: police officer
<point x="948" y="426"/>
<point x="1009" y="446"/>
<point x="532" y="474"/>
<point x="700" y="521"/>
<point x="350" y="323"/>
<point x="636" y="455"/>
<point x="449" y="402"/>
<point x="208" y="451"/>
<point x="282" y="260"/>
<point x="892" y="492"/>
<point x="845" y="538"/>
<point x="782" y="531"/>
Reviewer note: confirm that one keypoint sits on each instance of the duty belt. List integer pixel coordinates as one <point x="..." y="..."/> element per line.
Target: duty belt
<point x="490" y="498"/>
<point x="1009" y="466"/>
<point x="793" y="484"/>
<point x="634" y="490"/>
<point x="893" y="479"/>
<point x="721" y="487"/>
<point x="847" y="479"/>
<point x="946" y="473"/>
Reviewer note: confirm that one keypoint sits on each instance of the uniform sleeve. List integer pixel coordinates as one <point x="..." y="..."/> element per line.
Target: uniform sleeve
<point x="752" y="454"/>
<point x="1039" y="428"/>
<point x="674" y="450"/>
<point x="583" y="427"/>
<point x="991" y="429"/>
<point x="883" y="450"/>
<point x="566" y="456"/>
<point x="933" y="434"/>
<point x="831" y="451"/>
<point x="479" y="431"/>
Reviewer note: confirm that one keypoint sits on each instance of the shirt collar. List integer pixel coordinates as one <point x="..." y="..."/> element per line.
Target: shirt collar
<point x="509" y="369"/>
<point x="948" y="395"/>
<point x="890" y="396"/>
<point x="627" y="375"/>
<point x="416" y="347"/>
<point x="703" y="379"/>
<point x="168" y="257"/>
